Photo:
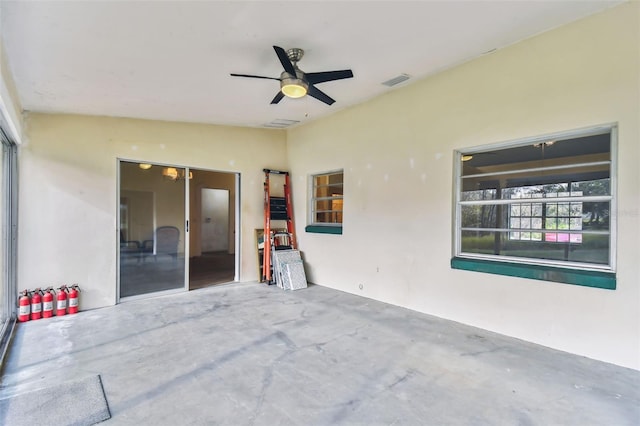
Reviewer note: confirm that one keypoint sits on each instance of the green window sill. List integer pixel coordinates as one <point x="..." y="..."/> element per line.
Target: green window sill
<point x="316" y="229"/>
<point x="597" y="279"/>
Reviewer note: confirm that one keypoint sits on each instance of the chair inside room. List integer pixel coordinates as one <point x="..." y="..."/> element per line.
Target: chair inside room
<point x="166" y="240"/>
<point x="129" y="249"/>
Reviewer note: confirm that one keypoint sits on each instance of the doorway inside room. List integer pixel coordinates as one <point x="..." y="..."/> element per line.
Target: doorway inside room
<point x="177" y="228"/>
<point x="213" y="228"/>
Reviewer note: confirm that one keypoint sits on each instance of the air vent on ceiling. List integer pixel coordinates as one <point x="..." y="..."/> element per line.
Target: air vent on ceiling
<point x="281" y="123"/>
<point x="397" y="80"/>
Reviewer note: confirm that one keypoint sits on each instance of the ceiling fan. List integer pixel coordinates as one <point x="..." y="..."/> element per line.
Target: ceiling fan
<point x="295" y="83"/>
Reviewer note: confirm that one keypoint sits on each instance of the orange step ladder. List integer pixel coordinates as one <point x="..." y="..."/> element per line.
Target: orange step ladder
<point x="276" y="209"/>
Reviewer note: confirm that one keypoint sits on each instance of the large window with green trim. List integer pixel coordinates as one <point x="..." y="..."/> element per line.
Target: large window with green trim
<point x="539" y="201"/>
<point x="326" y="202"/>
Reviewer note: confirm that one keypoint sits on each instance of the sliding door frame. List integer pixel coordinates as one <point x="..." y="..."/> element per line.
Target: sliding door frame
<point x="187" y="227"/>
<point x="237" y="228"/>
<point x="9" y="225"/>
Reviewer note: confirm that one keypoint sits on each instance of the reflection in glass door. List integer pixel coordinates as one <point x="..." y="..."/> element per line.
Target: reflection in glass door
<point x="152" y="228"/>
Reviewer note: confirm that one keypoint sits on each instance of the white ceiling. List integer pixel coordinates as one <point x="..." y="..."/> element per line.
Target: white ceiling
<point x="170" y="60"/>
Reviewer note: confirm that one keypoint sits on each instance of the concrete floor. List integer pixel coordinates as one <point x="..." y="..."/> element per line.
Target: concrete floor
<point x="250" y="354"/>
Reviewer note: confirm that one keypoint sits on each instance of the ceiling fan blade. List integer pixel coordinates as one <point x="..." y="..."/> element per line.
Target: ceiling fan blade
<point x="254" y="76"/>
<point x="277" y="98"/>
<point x="314" y="92"/>
<point x="284" y="60"/>
<point x="321" y="77"/>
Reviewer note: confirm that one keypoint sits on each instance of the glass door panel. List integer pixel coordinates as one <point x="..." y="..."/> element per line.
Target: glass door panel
<point x="152" y="228"/>
<point x="8" y="226"/>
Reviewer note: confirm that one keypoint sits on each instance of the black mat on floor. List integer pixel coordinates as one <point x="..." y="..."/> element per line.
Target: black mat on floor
<point x="78" y="403"/>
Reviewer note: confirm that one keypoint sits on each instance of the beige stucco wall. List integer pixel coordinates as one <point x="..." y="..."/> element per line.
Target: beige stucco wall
<point x="397" y="155"/>
<point x="68" y="190"/>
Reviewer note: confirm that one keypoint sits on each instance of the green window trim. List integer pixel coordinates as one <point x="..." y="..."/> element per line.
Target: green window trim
<point x="316" y="229"/>
<point x="596" y="279"/>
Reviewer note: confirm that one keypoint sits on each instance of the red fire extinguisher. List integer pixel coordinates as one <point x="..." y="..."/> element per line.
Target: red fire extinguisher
<point x="47" y="303"/>
<point x="24" y="307"/>
<point x="61" y="306"/>
<point x="36" y="304"/>
<point x="74" y="293"/>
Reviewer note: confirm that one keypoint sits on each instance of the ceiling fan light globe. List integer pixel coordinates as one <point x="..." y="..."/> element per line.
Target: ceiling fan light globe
<point x="294" y="87"/>
<point x="293" y="91"/>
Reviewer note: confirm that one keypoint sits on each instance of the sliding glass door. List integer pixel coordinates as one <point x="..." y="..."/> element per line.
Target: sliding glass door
<point x="152" y="228"/>
<point x="8" y="225"/>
